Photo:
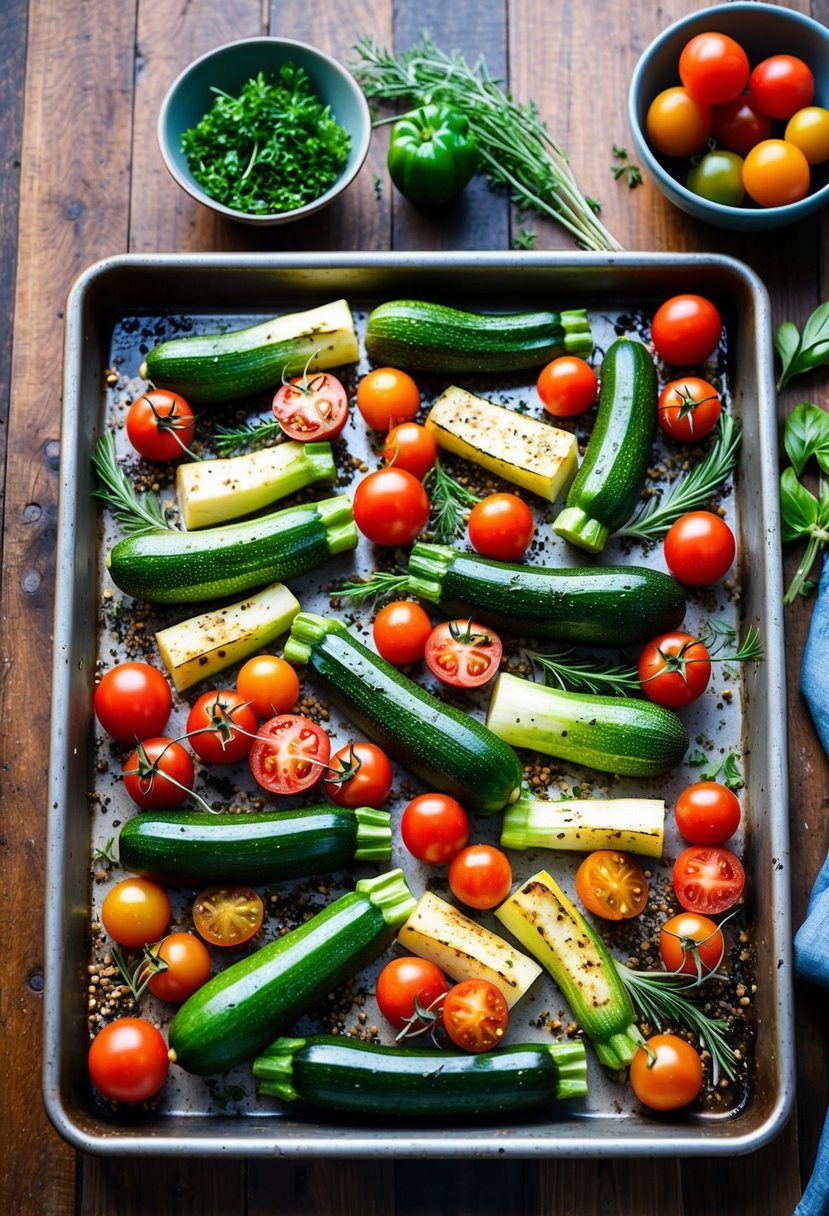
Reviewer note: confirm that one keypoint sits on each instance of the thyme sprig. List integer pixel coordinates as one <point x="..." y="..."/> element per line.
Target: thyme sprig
<point x="138" y="974"/>
<point x="378" y="585"/>
<point x="450" y="503"/>
<point x="134" y="512"/>
<point x="234" y="439"/>
<point x="567" y="669"/>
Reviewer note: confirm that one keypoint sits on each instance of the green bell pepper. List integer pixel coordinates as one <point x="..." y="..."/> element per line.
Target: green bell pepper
<point x="432" y="154"/>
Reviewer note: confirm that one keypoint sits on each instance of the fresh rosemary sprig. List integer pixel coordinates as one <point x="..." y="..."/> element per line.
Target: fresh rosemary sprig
<point x="693" y="490"/>
<point x="378" y="585"/>
<point x="233" y="439"/>
<point x="450" y="501"/>
<point x="134" y="512"/>
<point x="567" y="669"/>
<point x="138" y="974"/>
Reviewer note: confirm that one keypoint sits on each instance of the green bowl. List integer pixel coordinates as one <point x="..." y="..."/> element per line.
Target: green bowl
<point x="228" y="68"/>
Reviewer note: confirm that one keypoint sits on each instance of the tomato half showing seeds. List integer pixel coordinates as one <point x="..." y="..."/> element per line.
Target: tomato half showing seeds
<point x="311" y="407"/>
<point x="567" y="386"/>
<point x="612" y="885"/>
<point x="689" y="408"/>
<point x="501" y="526"/>
<point x="128" y="1060"/>
<point x="475" y="1015"/>
<point x="401" y="630"/>
<point x="135" y="912"/>
<point x="412" y="447"/>
<point x="228" y="915"/>
<point x="187" y="967"/>
<point x="666" y="1074"/>
<point x="686" y="329"/>
<point x="133" y="702"/>
<point x="159" y="774"/>
<point x="221" y="727"/>
<point x="463" y="653"/>
<point x="699" y="548"/>
<point x="390" y="506"/>
<point x="708" y="879"/>
<point x="269" y="684"/>
<point x="289" y="754"/>
<point x="387" y="396"/>
<point x="160" y="425"/>
<point x="434" y="828"/>
<point x="480" y="876"/>
<point x="674" y="669"/>
<point x="691" y="944"/>
<point x="359" y="774"/>
<point x="707" y="813"/>
<point x="405" y="983"/>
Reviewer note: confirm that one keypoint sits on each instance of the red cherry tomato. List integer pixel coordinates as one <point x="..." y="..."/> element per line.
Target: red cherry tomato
<point x="128" y="1060"/>
<point x="289" y="754"/>
<point x="463" y="653"/>
<point x="404" y="982"/>
<point x="612" y="885"/>
<point x="776" y="173"/>
<point x="780" y="86"/>
<point x="708" y="879"/>
<point x="567" y="386"/>
<point x="159" y="774"/>
<point x="689" y="408"/>
<point x="691" y="944"/>
<point x="713" y="68"/>
<point x="666" y="1074"/>
<point x="269" y="684"/>
<point x="133" y="702"/>
<point x="187" y="969"/>
<point x="501" y="526"/>
<point x="160" y="425"/>
<point x="401" y="630"/>
<point x="311" y="407"/>
<point x="390" y="507"/>
<point x="359" y="775"/>
<point x="228" y="914"/>
<point x="674" y="669"/>
<point x="699" y="548"/>
<point x="475" y="1015"/>
<point x="135" y="912"/>
<point x="387" y="396"/>
<point x="221" y="727"/>
<point x="737" y="127"/>
<point x="675" y="124"/>
<point x="480" y="876"/>
<point x="707" y="813"/>
<point x="412" y="447"/>
<point x="434" y="828"/>
<point x="686" y="329"/>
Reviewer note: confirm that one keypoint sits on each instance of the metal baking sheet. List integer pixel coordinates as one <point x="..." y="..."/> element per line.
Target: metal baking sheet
<point x="107" y="318"/>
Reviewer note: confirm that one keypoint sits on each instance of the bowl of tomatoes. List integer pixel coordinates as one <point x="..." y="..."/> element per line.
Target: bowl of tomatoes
<point x="729" y="113"/>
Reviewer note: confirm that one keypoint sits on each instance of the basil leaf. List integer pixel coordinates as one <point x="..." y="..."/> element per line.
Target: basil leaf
<point x="806" y="434"/>
<point x="816" y="329"/>
<point x="799" y="506"/>
<point x="787" y="344"/>
<point x="813" y="347"/>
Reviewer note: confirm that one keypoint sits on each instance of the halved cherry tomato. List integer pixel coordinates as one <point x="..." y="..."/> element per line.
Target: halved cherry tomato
<point x="501" y="526"/>
<point x="269" y="684"/>
<point x="475" y="1015"/>
<point x="359" y="775"/>
<point x="160" y="425"/>
<point x="133" y="702"/>
<point x="612" y="885"/>
<point x="713" y="68"/>
<point x="187" y="969"/>
<point x="567" y="386"/>
<point x="387" y="396"/>
<point x="737" y="127"/>
<point x="434" y="828"/>
<point x="480" y="876"/>
<point x="407" y="981"/>
<point x="686" y="329"/>
<point x="221" y="727"/>
<point x="401" y="630"/>
<point x="463" y="653"/>
<point x="666" y="1074"/>
<point x="228" y="915"/>
<point x="691" y="944"/>
<point x="390" y="506"/>
<point x="689" y="408"/>
<point x="412" y="447"/>
<point x="780" y="86"/>
<point x="135" y="912"/>
<point x="699" y="548"/>
<point x="674" y="669"/>
<point x="776" y="173"/>
<point x="675" y="124"/>
<point x="708" y="879"/>
<point x="128" y="1060"/>
<point x="311" y="407"/>
<point x="707" y="813"/>
<point x="159" y="774"/>
<point x="289" y="754"/>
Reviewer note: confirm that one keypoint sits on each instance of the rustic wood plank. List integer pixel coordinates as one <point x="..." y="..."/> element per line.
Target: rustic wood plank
<point x="612" y="1187"/>
<point x="134" y="1186"/>
<point x="348" y="1187"/>
<point x="12" y="65"/>
<point x="505" y="1188"/>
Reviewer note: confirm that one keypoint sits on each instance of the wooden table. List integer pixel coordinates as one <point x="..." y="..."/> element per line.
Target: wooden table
<point x="81" y="82"/>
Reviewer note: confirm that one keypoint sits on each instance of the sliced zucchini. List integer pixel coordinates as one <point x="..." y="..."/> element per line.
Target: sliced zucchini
<point x="635" y="825"/>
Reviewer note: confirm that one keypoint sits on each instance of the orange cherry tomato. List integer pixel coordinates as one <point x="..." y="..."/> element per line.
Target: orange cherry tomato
<point x="612" y="885"/>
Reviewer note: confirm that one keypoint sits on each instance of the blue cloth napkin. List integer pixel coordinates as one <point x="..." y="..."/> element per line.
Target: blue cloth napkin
<point x="811" y="943"/>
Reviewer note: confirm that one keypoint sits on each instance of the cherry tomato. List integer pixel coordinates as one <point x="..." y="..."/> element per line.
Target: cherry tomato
<point x="691" y="944"/>
<point x="269" y="684"/>
<point x="718" y="176"/>
<point x="311" y="407"/>
<point x="359" y="775"/>
<point x="480" y="876"/>
<point x="475" y="1015"/>
<point x="501" y="526"/>
<point x="686" y="329"/>
<point x="128" y="1060"/>
<point x="159" y="774"/>
<point x="221" y="727"/>
<point x="708" y="879"/>
<point x="404" y="981"/>
<point x="228" y="914"/>
<point x="390" y="507"/>
<point x="160" y="425"/>
<point x="808" y="130"/>
<point x="713" y="68"/>
<point x="567" y="386"/>
<point x="612" y="885"/>
<point x="776" y="173"/>
<point x="188" y="967"/>
<point x="463" y="654"/>
<point x="666" y="1074"/>
<point x="289" y="754"/>
<point x="780" y="86"/>
<point x="699" y="548"/>
<point x="133" y="702"/>
<point x="674" y="669"/>
<point x="675" y="124"/>
<point x="434" y="828"/>
<point x="737" y="127"/>
<point x="135" y="912"/>
<point x="412" y="447"/>
<point x="689" y="409"/>
<point x="401" y="630"/>
<point x="387" y="396"/>
<point x="707" y="813"/>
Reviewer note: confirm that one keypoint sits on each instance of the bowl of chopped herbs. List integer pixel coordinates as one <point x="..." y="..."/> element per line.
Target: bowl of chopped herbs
<point x="264" y="130"/>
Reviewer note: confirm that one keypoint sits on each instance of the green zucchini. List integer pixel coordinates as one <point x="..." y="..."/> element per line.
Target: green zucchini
<point x="208" y="368"/>
<point x="625" y="735"/>
<point x="181" y="567"/>
<point x="188" y="847"/>
<point x="240" y="1010"/>
<point x="606" y="489"/>
<point x="435" y="338"/>
<point x="420" y="1082"/>
<point x="602" y="605"/>
<point x="448" y="749"/>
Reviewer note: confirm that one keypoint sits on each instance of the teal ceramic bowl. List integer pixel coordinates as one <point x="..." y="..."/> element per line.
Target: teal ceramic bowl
<point x="228" y="68"/>
<point x="762" y="30"/>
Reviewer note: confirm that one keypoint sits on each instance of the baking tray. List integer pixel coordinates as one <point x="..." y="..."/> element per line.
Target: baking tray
<point x="245" y="288"/>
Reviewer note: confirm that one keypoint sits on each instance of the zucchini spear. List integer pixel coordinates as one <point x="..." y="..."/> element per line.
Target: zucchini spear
<point x="635" y="825"/>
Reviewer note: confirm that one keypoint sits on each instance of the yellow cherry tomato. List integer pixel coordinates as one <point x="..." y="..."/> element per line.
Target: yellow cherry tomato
<point x="676" y="125"/>
<point x="808" y="130"/>
<point x="776" y="173"/>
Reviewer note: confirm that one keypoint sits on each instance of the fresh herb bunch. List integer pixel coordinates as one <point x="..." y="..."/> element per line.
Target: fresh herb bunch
<point x="451" y="503"/>
<point x="805" y="515"/>
<point x="134" y="512"/>
<point x="273" y="148"/>
<point x="515" y="148"/>
<point x="800" y="353"/>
